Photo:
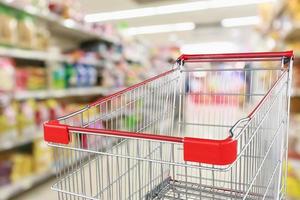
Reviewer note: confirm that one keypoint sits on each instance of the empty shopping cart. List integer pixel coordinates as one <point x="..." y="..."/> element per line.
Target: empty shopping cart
<point x="213" y="127"/>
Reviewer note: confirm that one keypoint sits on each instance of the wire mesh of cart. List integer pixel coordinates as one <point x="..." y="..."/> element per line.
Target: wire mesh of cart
<point x="213" y="127"/>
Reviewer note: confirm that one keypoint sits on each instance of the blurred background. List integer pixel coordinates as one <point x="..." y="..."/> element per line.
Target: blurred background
<point x="55" y="56"/>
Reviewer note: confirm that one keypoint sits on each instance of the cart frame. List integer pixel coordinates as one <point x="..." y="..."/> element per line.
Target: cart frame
<point x="222" y="155"/>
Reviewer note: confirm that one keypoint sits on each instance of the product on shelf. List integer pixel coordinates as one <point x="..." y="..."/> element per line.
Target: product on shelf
<point x="82" y="74"/>
<point x="26" y="118"/>
<point x="22" y="166"/>
<point x="55" y="109"/>
<point x="8" y="123"/>
<point x="42" y="38"/>
<point x="8" y="26"/>
<point x="5" y="171"/>
<point x="92" y="75"/>
<point x="30" y="78"/>
<point x="83" y="71"/>
<point x="7" y="75"/>
<point x="107" y="78"/>
<point x="42" y="114"/>
<point x="26" y="31"/>
<point x="294" y="9"/>
<point x="70" y="75"/>
<point x="293" y="180"/>
<point x="70" y="9"/>
<point x="42" y="156"/>
<point x="58" y="75"/>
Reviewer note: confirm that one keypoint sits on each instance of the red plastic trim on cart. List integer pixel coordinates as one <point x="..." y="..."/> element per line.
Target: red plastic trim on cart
<point x="211" y="57"/>
<point x="56" y="132"/>
<point x="217" y="152"/>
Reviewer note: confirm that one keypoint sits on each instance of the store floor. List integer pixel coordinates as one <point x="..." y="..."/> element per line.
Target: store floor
<point x="41" y="192"/>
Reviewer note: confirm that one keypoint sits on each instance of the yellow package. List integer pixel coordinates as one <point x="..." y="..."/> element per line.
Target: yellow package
<point x="22" y="166"/>
<point x="42" y="156"/>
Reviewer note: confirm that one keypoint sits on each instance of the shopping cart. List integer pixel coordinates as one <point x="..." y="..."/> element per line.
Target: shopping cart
<point x="213" y="127"/>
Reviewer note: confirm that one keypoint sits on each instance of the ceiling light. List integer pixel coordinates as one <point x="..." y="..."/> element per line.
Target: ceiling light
<point x="169" y="9"/>
<point x="241" y="21"/>
<point x="159" y="28"/>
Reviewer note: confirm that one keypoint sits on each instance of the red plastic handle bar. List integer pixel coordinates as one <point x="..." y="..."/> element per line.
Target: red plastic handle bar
<point x="225" y="56"/>
<point x="216" y="152"/>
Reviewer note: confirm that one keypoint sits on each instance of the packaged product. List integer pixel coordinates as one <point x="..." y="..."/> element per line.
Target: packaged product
<point x="70" y="76"/>
<point x="22" y="166"/>
<point x="92" y="75"/>
<point x="58" y="77"/>
<point x="5" y="170"/>
<point x="42" y="38"/>
<point x="30" y="78"/>
<point x="293" y="180"/>
<point x="8" y="123"/>
<point x="37" y="78"/>
<point x="42" y="156"/>
<point x="107" y="79"/>
<point x="21" y="79"/>
<point x="294" y="9"/>
<point x="26" y="31"/>
<point x="8" y="26"/>
<point x="7" y="75"/>
<point x="54" y="108"/>
<point x="42" y="114"/>
<point x="82" y="75"/>
<point x="26" y="118"/>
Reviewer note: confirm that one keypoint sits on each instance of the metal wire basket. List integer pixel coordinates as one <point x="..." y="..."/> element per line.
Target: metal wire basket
<point x="213" y="127"/>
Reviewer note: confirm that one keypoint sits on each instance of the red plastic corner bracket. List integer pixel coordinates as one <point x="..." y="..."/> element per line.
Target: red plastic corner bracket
<point x="56" y="132"/>
<point x="216" y="152"/>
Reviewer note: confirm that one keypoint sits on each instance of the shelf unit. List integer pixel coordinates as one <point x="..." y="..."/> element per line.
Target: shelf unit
<point x="8" y="145"/>
<point x="14" y="189"/>
<point x="46" y="56"/>
<point x="57" y="24"/>
<point x="62" y="28"/>
<point x="11" y="190"/>
<point x="32" y="54"/>
<point x="62" y="93"/>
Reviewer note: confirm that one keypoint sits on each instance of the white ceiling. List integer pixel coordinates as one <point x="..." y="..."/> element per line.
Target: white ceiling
<point x="204" y="16"/>
<point x="204" y="19"/>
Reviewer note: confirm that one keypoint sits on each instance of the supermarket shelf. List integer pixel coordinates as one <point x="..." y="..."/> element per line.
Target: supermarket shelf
<point x="44" y="94"/>
<point x="7" y="145"/>
<point x="12" y="190"/>
<point x="32" y="54"/>
<point x="56" y="24"/>
<point x="45" y="56"/>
